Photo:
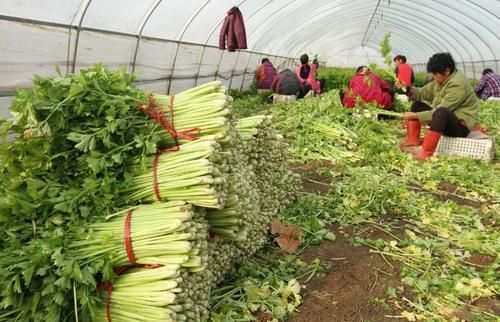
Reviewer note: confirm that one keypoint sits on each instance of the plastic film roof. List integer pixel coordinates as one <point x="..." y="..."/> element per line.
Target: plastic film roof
<point x="172" y="43"/>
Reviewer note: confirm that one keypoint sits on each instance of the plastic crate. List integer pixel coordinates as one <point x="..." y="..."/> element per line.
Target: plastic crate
<point x="476" y="145"/>
<point x="278" y="98"/>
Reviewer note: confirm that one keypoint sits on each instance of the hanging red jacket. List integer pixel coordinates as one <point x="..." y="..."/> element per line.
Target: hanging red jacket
<point x="233" y="31"/>
<point x="370" y="88"/>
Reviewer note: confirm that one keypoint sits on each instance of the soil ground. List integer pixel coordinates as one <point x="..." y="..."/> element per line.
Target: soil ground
<point x="354" y="288"/>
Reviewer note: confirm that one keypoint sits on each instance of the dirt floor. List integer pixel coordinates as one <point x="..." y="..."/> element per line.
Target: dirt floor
<point x="354" y="288"/>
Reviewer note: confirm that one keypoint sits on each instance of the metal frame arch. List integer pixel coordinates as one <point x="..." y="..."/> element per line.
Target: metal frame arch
<point x="409" y="45"/>
<point x="280" y="18"/>
<point x="479" y="6"/>
<point x="446" y="41"/>
<point x="363" y="39"/>
<point x="465" y="49"/>
<point x="84" y="6"/>
<point x="472" y="30"/>
<point x="291" y="14"/>
<point x="450" y="44"/>
<point x="345" y="17"/>
<point x="329" y="32"/>
<point x="140" y="29"/>
<point x="416" y="26"/>
<point x="424" y="18"/>
<point x="456" y="29"/>
<point x="451" y="27"/>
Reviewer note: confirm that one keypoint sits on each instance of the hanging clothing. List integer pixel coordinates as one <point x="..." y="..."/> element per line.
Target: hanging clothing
<point x="306" y="73"/>
<point x="233" y="32"/>
<point x="265" y="75"/>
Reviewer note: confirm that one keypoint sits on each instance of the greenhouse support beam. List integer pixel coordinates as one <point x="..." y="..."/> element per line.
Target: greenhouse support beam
<point x="142" y="24"/>
<point x="364" y="40"/>
<point x="78" y="28"/>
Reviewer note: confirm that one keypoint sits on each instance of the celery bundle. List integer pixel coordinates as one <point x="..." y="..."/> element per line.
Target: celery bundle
<point x="196" y="173"/>
<point x="163" y="233"/>
<point x="267" y="157"/>
<point x="144" y="294"/>
<point x="206" y="107"/>
<point x="337" y="132"/>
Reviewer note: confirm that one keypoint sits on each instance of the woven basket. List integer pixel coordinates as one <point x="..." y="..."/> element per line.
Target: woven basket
<point x="476" y="146"/>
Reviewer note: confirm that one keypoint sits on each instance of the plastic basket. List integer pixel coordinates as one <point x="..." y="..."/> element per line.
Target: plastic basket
<point x="474" y="146"/>
<point x="278" y="98"/>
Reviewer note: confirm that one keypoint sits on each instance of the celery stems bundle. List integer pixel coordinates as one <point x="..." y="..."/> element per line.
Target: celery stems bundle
<point x="143" y="295"/>
<point x="196" y="173"/>
<point x="164" y="233"/>
<point x="267" y="157"/>
<point x="206" y="107"/>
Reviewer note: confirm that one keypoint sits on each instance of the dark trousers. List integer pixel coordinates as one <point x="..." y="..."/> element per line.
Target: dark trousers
<point x="443" y="120"/>
<point x="322" y="83"/>
<point x="301" y="93"/>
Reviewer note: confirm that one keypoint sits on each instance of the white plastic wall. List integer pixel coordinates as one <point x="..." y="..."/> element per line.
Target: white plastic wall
<point x="172" y="44"/>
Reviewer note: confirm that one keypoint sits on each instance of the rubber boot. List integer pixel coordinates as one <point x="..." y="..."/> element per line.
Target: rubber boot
<point x="429" y="145"/>
<point x="412" y="134"/>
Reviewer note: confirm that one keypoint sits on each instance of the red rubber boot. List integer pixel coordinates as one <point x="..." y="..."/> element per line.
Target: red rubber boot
<point x="429" y="145"/>
<point x="412" y="134"/>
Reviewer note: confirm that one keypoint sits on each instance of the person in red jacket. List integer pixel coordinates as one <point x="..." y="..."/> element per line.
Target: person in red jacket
<point x="306" y="73"/>
<point x="265" y="74"/>
<point x="403" y="71"/>
<point x="370" y="88"/>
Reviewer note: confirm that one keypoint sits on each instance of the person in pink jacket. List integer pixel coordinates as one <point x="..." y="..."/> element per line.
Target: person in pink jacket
<point x="370" y="87"/>
<point x="306" y="73"/>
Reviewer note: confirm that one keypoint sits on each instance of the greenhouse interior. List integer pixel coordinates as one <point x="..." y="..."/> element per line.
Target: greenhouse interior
<point x="250" y="160"/>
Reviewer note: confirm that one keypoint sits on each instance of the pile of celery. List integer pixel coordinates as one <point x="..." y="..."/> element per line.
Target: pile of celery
<point x="236" y="169"/>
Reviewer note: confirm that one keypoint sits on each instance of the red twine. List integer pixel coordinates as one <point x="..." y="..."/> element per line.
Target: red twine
<point x="128" y="241"/>
<point x="156" y="112"/>
<point x="109" y="286"/>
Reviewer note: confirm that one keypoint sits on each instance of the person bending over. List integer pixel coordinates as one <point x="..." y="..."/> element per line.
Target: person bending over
<point x="370" y="88"/>
<point x="452" y="108"/>
<point x="287" y="83"/>
<point x="265" y="74"/>
<point x="489" y="85"/>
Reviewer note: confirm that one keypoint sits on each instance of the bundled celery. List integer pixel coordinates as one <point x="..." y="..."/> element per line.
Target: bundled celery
<point x="162" y="233"/>
<point x="206" y="107"/>
<point x="144" y="294"/>
<point x="337" y="132"/>
<point x="196" y="173"/>
<point x="267" y="154"/>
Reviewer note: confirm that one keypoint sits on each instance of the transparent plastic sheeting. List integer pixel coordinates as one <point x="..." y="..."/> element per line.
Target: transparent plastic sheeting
<point x="172" y="44"/>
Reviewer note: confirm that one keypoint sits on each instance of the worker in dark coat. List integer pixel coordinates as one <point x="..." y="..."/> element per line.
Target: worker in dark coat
<point x="288" y="83"/>
<point x="233" y="31"/>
